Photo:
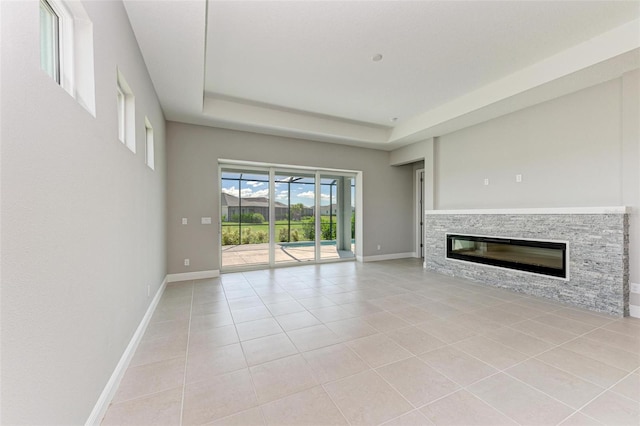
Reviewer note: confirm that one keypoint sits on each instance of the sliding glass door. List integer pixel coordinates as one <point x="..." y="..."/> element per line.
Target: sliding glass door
<point x="337" y="217"/>
<point x="295" y="217"/>
<point x="244" y="203"/>
<point x="278" y="216"/>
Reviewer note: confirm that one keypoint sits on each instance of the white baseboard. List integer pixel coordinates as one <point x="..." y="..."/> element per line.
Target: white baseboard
<point x="198" y="275"/>
<point x="634" y="311"/>
<point x="100" y="409"/>
<point x="388" y="257"/>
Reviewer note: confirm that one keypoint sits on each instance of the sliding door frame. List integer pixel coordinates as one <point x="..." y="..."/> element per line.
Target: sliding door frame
<point x="271" y="169"/>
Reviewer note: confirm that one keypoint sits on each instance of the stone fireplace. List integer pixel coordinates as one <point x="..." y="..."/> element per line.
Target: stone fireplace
<point x="577" y="256"/>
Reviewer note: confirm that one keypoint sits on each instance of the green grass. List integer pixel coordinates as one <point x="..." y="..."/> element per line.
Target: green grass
<point x="255" y="227"/>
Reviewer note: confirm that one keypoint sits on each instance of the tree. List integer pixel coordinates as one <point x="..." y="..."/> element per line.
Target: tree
<point x="296" y="211"/>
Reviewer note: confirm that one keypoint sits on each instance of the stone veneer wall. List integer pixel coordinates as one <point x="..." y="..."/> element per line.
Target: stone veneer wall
<point x="598" y="255"/>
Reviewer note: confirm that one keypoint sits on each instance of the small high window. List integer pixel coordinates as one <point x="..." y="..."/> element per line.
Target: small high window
<point x="126" y="113"/>
<point x="149" y="155"/>
<point x="66" y="49"/>
<point x="49" y="40"/>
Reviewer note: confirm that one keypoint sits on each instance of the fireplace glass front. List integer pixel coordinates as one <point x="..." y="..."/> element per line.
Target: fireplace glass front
<point x="540" y="257"/>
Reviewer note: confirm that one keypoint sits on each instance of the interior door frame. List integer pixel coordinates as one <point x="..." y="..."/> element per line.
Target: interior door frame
<point x="419" y="213"/>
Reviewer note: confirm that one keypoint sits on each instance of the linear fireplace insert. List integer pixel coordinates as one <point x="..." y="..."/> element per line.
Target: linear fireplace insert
<point x="539" y="257"/>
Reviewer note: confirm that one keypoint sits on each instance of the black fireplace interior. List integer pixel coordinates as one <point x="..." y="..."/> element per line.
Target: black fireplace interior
<point x="540" y="257"/>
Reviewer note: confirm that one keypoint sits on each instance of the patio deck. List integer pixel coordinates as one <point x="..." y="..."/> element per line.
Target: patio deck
<point x="257" y="254"/>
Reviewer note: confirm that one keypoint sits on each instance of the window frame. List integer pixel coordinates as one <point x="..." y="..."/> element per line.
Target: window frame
<point x="74" y="49"/>
<point x="126" y="112"/>
<point x="55" y="35"/>
<point x="149" y="144"/>
<point x="122" y="112"/>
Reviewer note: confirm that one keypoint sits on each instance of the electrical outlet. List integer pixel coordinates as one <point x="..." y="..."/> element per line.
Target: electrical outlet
<point x="635" y="288"/>
<point x="186" y="262"/>
<point x="378" y="246"/>
<point x="486" y="181"/>
<point x="518" y="178"/>
<point x="184" y="221"/>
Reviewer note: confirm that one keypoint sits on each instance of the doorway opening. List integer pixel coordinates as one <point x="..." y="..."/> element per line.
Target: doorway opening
<point x="419" y="185"/>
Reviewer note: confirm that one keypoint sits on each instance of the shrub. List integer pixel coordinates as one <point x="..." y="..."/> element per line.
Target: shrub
<point x="327" y="229"/>
<point x="248" y="218"/>
<point x="261" y="237"/>
<point x="255" y="218"/>
<point x="283" y="235"/>
<point x="295" y="236"/>
<point x="309" y="228"/>
<point x="230" y="237"/>
<point x="247" y="235"/>
<point x="353" y="225"/>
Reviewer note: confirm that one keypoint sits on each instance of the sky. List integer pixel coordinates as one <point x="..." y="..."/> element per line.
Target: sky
<point x="300" y="192"/>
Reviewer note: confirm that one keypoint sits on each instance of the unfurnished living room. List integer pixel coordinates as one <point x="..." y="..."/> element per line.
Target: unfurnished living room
<point x="320" y="212"/>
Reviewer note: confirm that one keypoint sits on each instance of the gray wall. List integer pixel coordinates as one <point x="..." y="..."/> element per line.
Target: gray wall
<point x="631" y="172"/>
<point x="567" y="150"/>
<point x="582" y="149"/>
<point x="83" y="221"/>
<point x="193" y="192"/>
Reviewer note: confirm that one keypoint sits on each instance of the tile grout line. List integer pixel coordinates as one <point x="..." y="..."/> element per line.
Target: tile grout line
<point x="305" y="361"/>
<point x="505" y="372"/>
<point x="529" y="357"/>
<point x="186" y="358"/>
<point x="609" y="389"/>
<point x="462" y="387"/>
<point x="235" y="327"/>
<point x="334" y="403"/>
<point x="559" y="346"/>
<point x="451" y="344"/>
<point x="392" y="387"/>
<point x="567" y="372"/>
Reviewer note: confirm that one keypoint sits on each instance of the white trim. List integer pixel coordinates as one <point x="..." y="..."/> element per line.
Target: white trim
<point x="272" y="196"/>
<point x="544" y="210"/>
<point x="219" y="242"/>
<point x="634" y="311"/>
<point x="419" y="218"/>
<point x="317" y="215"/>
<point x="197" y="275"/>
<point x="225" y="162"/>
<point x="391" y="256"/>
<point x="100" y="409"/>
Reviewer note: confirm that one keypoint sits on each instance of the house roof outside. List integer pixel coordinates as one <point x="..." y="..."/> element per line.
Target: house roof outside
<point x="229" y="200"/>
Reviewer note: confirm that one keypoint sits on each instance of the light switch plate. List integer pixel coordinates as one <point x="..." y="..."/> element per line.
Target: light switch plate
<point x="206" y="221"/>
<point x="184" y="221"/>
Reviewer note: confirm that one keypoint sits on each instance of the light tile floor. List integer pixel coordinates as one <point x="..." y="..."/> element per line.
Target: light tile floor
<point x="375" y="343"/>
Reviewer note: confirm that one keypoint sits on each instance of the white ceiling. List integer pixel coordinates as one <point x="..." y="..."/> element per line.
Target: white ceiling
<point x="305" y="69"/>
